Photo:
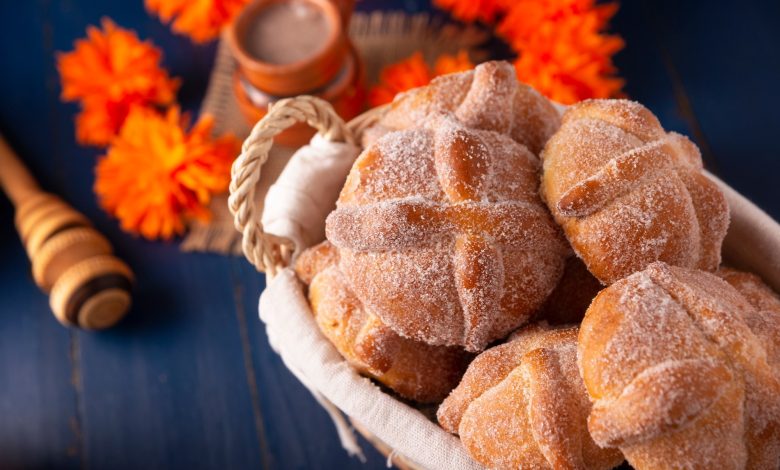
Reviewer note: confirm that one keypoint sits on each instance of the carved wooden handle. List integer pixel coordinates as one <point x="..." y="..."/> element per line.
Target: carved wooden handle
<point x="89" y="286"/>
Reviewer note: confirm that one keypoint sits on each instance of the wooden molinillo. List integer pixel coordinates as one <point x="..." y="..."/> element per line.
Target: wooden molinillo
<point x="89" y="287"/>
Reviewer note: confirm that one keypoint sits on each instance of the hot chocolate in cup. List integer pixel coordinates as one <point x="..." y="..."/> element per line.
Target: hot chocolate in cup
<point x="289" y="47"/>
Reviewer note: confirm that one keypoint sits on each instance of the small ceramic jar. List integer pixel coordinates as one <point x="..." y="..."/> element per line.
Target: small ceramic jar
<point x="292" y="47"/>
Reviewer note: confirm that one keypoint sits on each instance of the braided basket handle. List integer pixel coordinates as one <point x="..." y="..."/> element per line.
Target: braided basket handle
<point x="270" y="253"/>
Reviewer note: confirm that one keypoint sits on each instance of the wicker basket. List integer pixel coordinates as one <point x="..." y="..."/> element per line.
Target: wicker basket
<point x="752" y="243"/>
<point x="270" y="253"/>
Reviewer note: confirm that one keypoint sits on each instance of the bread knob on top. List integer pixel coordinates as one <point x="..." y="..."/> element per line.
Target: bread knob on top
<point x="489" y="98"/>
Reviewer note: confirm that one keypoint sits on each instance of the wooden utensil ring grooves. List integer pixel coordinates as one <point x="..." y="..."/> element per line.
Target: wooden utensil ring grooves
<point x="61" y="245"/>
<point x="84" y="280"/>
<point x="267" y="252"/>
<point x="62" y="228"/>
<point x="85" y="291"/>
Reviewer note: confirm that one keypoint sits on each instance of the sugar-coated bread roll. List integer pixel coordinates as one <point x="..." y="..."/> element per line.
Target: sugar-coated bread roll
<point x="627" y="193"/>
<point x="488" y="97"/>
<point x="677" y="364"/>
<point x="522" y="404"/>
<point x="442" y="233"/>
<point x="752" y="287"/>
<point x="763" y="298"/>
<point x="572" y="296"/>
<point x="412" y="369"/>
<point x="314" y="260"/>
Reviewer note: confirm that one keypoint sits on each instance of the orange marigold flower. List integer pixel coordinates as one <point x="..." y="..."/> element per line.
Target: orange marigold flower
<point x="99" y="121"/>
<point x="471" y="10"/>
<point x="201" y="20"/>
<point x="156" y="176"/>
<point x="452" y="63"/>
<point x="414" y="72"/>
<point x="562" y="50"/>
<point x="110" y="71"/>
<point x="409" y="73"/>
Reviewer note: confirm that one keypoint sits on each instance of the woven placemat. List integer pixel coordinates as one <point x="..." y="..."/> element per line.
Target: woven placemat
<point x="381" y="38"/>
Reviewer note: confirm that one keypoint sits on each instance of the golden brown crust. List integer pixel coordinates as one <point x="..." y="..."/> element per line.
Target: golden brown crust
<point x="489" y="98"/>
<point x="441" y="231"/>
<point x="572" y="296"/>
<point x="522" y="404"/>
<point x="750" y="285"/>
<point x="315" y="259"/>
<point x="414" y="370"/>
<point x="765" y="300"/>
<point x="627" y="193"/>
<point x="678" y="374"/>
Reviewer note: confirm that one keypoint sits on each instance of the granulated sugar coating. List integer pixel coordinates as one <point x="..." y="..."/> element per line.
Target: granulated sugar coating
<point x="677" y="364"/>
<point x="442" y="234"/>
<point x="627" y="193"/>
<point x="415" y="370"/>
<point x="488" y="97"/>
<point x="764" y="300"/>
<point x="523" y="405"/>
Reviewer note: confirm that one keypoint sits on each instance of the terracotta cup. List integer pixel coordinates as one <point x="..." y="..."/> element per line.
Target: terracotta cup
<point x="333" y="72"/>
<point x="310" y="73"/>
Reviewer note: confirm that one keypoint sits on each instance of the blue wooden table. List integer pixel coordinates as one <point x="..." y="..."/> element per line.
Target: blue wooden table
<point x="188" y="380"/>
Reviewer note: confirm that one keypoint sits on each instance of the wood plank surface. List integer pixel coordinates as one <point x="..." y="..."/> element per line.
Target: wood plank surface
<point x="188" y="380"/>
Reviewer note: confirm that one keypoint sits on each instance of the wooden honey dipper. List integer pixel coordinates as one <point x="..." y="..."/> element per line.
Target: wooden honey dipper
<point x="89" y="287"/>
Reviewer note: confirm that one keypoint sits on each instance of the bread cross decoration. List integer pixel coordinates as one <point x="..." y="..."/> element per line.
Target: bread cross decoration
<point x="628" y="193"/>
<point x="656" y="150"/>
<point x="531" y="379"/>
<point x="477" y="216"/>
<point x="679" y="365"/>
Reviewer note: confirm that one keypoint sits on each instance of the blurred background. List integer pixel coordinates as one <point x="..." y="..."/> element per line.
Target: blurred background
<point x="188" y="379"/>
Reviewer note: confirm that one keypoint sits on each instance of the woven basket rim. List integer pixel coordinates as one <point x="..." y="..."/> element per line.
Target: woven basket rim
<point x="267" y="252"/>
